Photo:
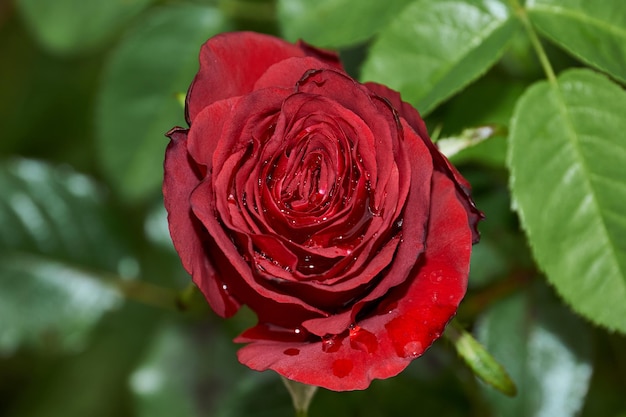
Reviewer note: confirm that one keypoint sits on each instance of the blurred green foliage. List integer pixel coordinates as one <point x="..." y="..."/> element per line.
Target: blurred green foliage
<point x="89" y="280"/>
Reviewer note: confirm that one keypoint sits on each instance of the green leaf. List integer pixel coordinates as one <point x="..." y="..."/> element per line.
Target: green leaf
<point x="567" y="156"/>
<point x="94" y="382"/>
<point x="594" y="31"/>
<point x="70" y="26"/>
<point x="54" y="236"/>
<point x="488" y="101"/>
<point x="435" y="48"/>
<point x="335" y="23"/>
<point x="547" y="351"/>
<point x="138" y="102"/>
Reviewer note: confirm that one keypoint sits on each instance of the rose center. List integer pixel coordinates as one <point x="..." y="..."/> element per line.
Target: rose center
<point x="305" y="176"/>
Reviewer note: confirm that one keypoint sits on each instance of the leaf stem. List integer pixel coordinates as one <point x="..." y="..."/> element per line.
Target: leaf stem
<point x="144" y="292"/>
<point x="157" y="296"/>
<point x="535" y="41"/>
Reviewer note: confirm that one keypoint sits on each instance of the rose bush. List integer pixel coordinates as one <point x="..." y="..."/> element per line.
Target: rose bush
<point x="321" y="204"/>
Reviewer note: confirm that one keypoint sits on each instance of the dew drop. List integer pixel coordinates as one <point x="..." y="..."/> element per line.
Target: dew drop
<point x="331" y="343"/>
<point x="342" y="367"/>
<point x="291" y="351"/>
<point x="413" y="349"/>
<point x="436" y="276"/>
<point x="362" y="339"/>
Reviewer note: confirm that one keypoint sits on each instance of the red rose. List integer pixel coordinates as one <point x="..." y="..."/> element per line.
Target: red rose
<point x="320" y="203"/>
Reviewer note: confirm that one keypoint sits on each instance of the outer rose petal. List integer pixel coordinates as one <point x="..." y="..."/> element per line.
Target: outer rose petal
<point x="179" y="181"/>
<point x="231" y="63"/>
<point x="289" y="71"/>
<point x="408" y="321"/>
<point x="412" y="116"/>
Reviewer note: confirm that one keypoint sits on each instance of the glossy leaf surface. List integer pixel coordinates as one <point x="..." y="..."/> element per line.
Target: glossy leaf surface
<point x="594" y="31"/>
<point x="434" y="48"/>
<point x="567" y="155"/>
<point x="55" y="243"/>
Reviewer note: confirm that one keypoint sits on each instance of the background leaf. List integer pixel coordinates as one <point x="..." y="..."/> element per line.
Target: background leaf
<point x="137" y="104"/>
<point x="57" y="237"/>
<point x="566" y="155"/>
<point x="70" y="26"/>
<point x="546" y="350"/>
<point x="435" y="48"/>
<point x="93" y="382"/>
<point x="594" y="31"/>
<point x="335" y="23"/>
<point x="489" y="101"/>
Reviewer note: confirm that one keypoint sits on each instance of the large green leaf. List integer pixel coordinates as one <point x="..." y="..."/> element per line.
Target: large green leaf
<point x="545" y="348"/>
<point x="68" y="26"/>
<point x="435" y="48"/>
<point x="55" y="237"/>
<point x="567" y="156"/>
<point x="335" y="23"/>
<point x="137" y="103"/>
<point x="594" y="31"/>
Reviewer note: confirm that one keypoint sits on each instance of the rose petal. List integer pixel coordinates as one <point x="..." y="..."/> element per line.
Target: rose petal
<point x="187" y="233"/>
<point x="413" y="117"/>
<point x="286" y="73"/>
<point x="241" y="279"/>
<point x="231" y="63"/>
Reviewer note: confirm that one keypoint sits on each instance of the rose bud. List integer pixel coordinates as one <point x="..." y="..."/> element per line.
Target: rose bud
<point x="321" y="204"/>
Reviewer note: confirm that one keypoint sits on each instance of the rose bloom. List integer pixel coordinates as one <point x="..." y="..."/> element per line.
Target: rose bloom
<point x="321" y="204"/>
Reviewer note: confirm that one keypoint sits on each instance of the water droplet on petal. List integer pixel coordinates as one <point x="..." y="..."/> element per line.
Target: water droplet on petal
<point x="436" y="276"/>
<point x="342" y="367"/>
<point x="363" y="340"/>
<point x="331" y="343"/>
<point x="292" y="351"/>
<point x="413" y="349"/>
